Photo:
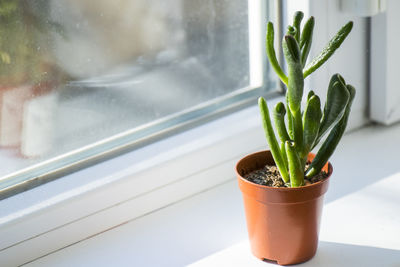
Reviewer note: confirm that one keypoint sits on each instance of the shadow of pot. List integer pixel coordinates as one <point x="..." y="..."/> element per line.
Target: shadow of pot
<point x="283" y="223"/>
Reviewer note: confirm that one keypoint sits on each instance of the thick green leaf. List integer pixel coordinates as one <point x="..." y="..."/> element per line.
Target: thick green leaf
<point x="284" y="156"/>
<point x="306" y="40"/>
<point x="295" y="85"/>
<point x="279" y="118"/>
<point x="310" y="94"/>
<point x="335" y="105"/>
<point x="311" y="122"/>
<point x="290" y="120"/>
<point x="297" y="18"/>
<point x="298" y="130"/>
<point x="330" y="48"/>
<point x="331" y="142"/>
<point x="295" y="89"/>
<point x="291" y="49"/>
<point x="272" y="55"/>
<point x="271" y="139"/>
<point x="291" y="31"/>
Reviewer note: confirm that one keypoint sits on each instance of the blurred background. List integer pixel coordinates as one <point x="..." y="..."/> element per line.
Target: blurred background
<point x="73" y="73"/>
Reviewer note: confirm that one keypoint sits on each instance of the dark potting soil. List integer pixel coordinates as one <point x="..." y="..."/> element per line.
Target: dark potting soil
<point x="270" y="176"/>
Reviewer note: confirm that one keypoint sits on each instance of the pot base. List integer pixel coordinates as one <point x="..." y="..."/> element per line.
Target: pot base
<point x="283" y="262"/>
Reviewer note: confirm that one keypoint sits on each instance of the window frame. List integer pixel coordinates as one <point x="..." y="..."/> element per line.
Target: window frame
<point x="143" y="135"/>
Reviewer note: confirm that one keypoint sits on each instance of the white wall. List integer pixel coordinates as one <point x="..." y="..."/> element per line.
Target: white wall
<point x="350" y="60"/>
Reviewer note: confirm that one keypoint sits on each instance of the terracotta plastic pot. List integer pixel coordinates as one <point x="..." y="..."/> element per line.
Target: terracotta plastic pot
<point x="283" y="223"/>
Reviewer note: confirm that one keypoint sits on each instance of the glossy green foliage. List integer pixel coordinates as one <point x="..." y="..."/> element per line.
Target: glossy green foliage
<point x="305" y="128"/>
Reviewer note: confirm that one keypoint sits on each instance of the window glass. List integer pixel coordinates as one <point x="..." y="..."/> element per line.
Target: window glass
<point x="83" y="77"/>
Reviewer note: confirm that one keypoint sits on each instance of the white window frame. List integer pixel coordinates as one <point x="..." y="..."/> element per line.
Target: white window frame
<point x="385" y="56"/>
<point x="350" y="60"/>
<point x="93" y="200"/>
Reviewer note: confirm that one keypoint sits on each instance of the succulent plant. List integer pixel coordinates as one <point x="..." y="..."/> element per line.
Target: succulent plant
<point x="305" y="129"/>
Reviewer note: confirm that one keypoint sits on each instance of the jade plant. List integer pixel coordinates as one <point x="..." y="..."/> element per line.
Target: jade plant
<point x="305" y="129"/>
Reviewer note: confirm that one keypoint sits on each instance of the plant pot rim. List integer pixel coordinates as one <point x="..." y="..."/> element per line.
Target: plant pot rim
<point x="328" y="166"/>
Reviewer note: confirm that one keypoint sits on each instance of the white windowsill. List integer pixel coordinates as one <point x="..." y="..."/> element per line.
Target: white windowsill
<point x="359" y="225"/>
<point x="93" y="200"/>
<point x="103" y="196"/>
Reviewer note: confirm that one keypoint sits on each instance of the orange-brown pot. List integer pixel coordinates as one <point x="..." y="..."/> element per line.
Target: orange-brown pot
<point x="283" y="223"/>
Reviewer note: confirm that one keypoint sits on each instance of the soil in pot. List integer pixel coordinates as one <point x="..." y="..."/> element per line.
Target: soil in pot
<point x="270" y="176"/>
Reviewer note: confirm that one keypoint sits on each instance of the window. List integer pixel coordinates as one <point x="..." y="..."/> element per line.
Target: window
<point x="53" y="216"/>
<point x="83" y="80"/>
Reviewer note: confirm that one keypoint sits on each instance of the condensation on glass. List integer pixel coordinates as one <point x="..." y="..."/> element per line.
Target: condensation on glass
<point x="76" y="72"/>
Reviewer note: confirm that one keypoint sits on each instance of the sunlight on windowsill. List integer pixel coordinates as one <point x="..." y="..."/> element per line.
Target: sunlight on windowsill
<point x="360" y="229"/>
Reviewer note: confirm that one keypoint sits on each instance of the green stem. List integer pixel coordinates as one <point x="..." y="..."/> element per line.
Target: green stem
<point x="295" y="166"/>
